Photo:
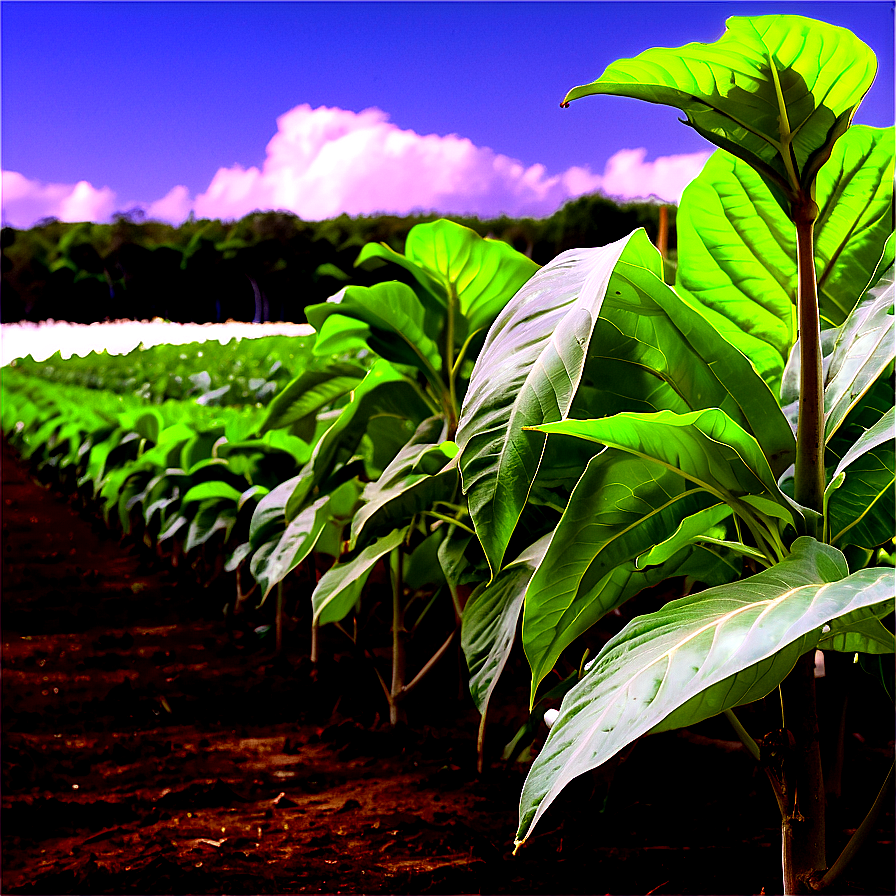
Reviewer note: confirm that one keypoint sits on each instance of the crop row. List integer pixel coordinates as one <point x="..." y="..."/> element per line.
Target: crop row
<point x="249" y="371"/>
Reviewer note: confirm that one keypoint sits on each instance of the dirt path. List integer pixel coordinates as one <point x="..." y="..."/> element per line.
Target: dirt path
<point x="147" y="751"/>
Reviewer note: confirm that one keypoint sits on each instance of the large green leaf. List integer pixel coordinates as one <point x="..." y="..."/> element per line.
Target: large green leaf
<point x="490" y="619"/>
<point x="454" y="263"/>
<point x="864" y="348"/>
<point x="340" y="587"/>
<point x="390" y="309"/>
<point x="383" y="392"/>
<point x="737" y="249"/>
<point x="775" y="90"/>
<point x="527" y="373"/>
<point x="652" y="351"/>
<point x="215" y="489"/>
<point x="482" y="273"/>
<point x="420" y="475"/>
<point x="617" y="586"/>
<point x="311" y="391"/>
<point x="854" y="191"/>
<point x="706" y="447"/>
<point x="696" y="657"/>
<point x="621" y="507"/>
<point x="737" y="262"/>
<point x="860" y="510"/>
<point x="294" y="545"/>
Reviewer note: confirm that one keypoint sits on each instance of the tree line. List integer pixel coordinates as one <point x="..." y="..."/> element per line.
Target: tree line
<point x="266" y="266"/>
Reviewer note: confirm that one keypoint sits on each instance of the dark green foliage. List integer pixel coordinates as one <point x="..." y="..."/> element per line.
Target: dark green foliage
<point x="266" y="266"/>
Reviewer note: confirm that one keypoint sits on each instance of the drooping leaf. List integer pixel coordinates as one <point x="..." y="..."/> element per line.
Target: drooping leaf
<point x="341" y="335"/>
<point x="397" y="502"/>
<point x="706" y="447"/>
<point x="340" y="587"/>
<point x="527" y="372"/>
<point x="391" y="310"/>
<point x="689" y="530"/>
<point x="213" y="515"/>
<point x="270" y="514"/>
<point x="311" y="391"/>
<point x="293" y="546"/>
<point x="776" y="90"/>
<point x="383" y="392"/>
<point x="859" y="632"/>
<point x="490" y="621"/>
<point x="696" y="657"/>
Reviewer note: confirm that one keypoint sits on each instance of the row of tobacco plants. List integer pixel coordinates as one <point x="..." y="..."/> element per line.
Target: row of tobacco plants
<point x="531" y="447"/>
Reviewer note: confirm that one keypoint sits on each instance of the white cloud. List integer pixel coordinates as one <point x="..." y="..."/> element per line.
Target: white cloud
<point x="174" y="206"/>
<point x="327" y="161"/>
<point x="628" y="176"/>
<point x="26" y="201"/>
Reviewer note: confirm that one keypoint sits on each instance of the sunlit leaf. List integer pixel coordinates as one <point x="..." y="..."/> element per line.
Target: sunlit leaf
<point x="528" y="372"/>
<point x="696" y="657"/>
<point x="775" y="90"/>
<point x="621" y="507"/>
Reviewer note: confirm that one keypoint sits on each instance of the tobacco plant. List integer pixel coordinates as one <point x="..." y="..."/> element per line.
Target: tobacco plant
<point x="384" y="399"/>
<point x="735" y="429"/>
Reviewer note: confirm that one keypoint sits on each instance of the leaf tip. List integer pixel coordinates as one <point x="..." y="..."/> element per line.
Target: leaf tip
<point x="517" y="844"/>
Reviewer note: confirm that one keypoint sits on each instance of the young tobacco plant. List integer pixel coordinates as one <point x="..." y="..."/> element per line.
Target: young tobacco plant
<point x="629" y="431"/>
<point x="388" y="433"/>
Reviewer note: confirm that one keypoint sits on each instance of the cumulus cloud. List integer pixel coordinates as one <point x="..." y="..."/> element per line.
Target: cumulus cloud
<point x="26" y="201"/>
<point x="327" y="161"/>
<point x="628" y="175"/>
<point x="174" y="206"/>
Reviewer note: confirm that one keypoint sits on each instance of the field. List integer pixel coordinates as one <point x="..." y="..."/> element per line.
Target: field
<point x="148" y="750"/>
<point x="609" y="538"/>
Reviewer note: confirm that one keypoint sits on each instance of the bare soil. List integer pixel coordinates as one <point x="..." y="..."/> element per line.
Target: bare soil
<point x="149" y="748"/>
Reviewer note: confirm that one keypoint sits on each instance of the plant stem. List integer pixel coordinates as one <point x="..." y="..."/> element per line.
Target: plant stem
<point x="449" y="360"/>
<point x="448" y="519"/>
<point x="396" y="714"/>
<point x="278" y="621"/>
<point x="859" y="837"/>
<point x="809" y="474"/>
<point x="743" y="734"/>
<point x="315" y="638"/>
<point x="803" y="822"/>
<point x="406" y="689"/>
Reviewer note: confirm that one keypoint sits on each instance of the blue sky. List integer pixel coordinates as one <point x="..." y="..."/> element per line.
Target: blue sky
<point x="172" y="106"/>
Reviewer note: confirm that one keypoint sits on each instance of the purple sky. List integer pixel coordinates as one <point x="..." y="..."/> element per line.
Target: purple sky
<point x="357" y="107"/>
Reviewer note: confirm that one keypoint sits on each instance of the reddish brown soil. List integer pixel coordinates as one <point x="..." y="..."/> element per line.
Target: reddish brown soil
<point x="147" y="750"/>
